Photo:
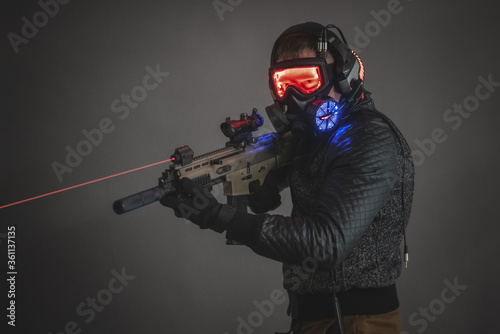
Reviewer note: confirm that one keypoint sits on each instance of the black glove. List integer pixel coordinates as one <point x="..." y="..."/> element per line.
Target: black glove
<point x="199" y="206"/>
<point x="265" y="198"/>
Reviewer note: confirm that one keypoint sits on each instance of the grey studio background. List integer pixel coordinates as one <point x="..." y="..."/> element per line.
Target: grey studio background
<point x="68" y="68"/>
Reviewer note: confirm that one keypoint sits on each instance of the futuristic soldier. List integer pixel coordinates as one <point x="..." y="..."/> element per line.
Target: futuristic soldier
<point x="351" y="184"/>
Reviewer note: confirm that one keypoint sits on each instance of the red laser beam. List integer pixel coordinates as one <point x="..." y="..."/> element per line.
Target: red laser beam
<point x="83" y="184"/>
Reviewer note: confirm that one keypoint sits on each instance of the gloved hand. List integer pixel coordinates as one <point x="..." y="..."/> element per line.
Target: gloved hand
<point x="265" y="198"/>
<point x="199" y="206"/>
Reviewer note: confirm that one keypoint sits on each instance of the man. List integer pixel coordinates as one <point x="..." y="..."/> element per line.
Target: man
<point x="351" y="184"/>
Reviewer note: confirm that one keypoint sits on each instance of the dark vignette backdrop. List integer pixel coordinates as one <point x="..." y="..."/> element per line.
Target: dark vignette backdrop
<point x="427" y="63"/>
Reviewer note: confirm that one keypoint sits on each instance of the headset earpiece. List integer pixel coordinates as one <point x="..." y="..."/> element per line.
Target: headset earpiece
<point x="347" y="65"/>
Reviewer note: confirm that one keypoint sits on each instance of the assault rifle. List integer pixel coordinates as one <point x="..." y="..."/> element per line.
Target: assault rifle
<point x="241" y="166"/>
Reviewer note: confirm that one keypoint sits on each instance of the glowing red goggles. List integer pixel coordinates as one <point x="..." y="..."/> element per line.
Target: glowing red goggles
<point x="303" y="77"/>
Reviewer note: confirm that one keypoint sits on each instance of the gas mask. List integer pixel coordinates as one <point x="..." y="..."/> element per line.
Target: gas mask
<point x="300" y="88"/>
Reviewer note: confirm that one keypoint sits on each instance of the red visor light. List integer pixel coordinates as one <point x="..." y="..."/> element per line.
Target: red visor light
<point x="306" y="79"/>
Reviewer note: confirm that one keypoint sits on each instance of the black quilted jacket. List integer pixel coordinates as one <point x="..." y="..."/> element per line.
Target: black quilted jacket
<point x="351" y="202"/>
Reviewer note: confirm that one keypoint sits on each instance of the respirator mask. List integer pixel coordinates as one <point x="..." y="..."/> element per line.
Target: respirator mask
<point x="300" y="87"/>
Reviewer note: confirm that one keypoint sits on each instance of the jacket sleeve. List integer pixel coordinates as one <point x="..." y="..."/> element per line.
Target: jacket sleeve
<point x="361" y="172"/>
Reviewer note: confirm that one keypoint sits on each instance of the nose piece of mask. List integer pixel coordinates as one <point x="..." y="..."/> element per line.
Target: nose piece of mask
<point x="296" y="114"/>
<point x="290" y="116"/>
